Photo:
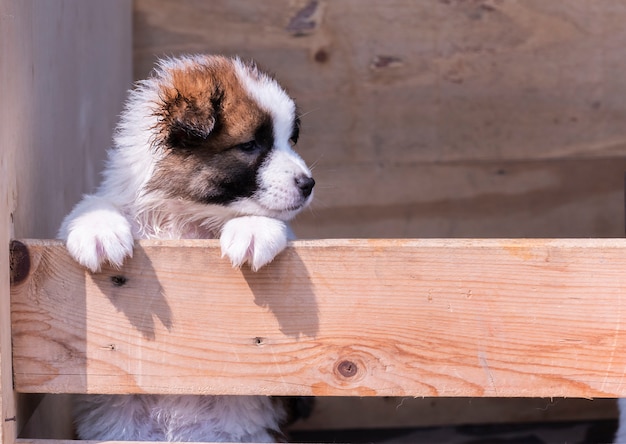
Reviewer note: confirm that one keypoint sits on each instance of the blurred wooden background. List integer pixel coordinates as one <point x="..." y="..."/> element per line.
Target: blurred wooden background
<point x="440" y="118"/>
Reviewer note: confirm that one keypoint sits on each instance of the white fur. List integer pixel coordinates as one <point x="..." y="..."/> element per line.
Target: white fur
<point x="253" y="239"/>
<point x="97" y="232"/>
<point x="177" y="418"/>
<point x="102" y="227"/>
<point x="278" y="198"/>
<point x="271" y="97"/>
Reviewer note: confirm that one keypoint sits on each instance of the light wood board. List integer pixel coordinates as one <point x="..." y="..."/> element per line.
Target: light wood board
<point x="482" y="318"/>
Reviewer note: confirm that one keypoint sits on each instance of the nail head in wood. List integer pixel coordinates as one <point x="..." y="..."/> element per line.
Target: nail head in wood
<point x="347" y="369"/>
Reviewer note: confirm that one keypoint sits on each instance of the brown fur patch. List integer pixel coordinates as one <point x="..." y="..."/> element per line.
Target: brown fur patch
<point x="211" y="97"/>
<point x="205" y="113"/>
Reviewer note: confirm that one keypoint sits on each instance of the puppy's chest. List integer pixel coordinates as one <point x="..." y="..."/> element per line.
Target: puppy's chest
<point x="185" y="231"/>
<point x="198" y="232"/>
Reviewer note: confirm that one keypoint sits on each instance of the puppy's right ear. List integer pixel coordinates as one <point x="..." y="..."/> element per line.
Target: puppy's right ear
<point x="189" y="121"/>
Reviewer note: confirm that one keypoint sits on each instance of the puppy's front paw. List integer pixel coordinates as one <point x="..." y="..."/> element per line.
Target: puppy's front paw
<point x="253" y="239"/>
<point x="99" y="236"/>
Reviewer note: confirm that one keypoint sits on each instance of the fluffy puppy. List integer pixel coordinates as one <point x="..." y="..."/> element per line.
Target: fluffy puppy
<point x="203" y="150"/>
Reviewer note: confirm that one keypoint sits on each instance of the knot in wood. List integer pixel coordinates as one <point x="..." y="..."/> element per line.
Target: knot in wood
<point x="19" y="262"/>
<point x="118" y="280"/>
<point x="347" y="369"/>
<point x="321" y="56"/>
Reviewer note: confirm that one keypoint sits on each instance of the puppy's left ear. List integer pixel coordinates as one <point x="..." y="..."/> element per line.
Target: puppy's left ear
<point x="189" y="120"/>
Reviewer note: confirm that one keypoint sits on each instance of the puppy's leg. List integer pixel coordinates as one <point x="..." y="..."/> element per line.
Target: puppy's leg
<point x="96" y="232"/>
<point x="253" y="239"/>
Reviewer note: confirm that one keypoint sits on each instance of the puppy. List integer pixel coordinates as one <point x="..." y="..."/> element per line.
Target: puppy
<point x="204" y="149"/>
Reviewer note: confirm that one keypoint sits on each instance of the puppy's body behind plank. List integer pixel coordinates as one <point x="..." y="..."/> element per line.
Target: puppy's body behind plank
<point x="203" y="150"/>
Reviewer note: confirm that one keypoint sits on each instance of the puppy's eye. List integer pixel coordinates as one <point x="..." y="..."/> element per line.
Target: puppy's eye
<point x="250" y="147"/>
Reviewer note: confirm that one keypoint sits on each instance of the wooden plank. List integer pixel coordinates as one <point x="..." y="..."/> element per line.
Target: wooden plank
<point x="74" y="110"/>
<point x="481" y="318"/>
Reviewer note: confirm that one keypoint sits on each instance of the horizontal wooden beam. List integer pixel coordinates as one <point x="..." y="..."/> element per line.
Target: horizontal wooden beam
<point x="501" y="317"/>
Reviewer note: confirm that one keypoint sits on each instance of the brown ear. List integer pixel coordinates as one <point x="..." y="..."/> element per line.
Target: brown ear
<point x="189" y="121"/>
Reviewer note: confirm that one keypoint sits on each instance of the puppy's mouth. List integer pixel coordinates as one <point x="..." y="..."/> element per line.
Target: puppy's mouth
<point x="286" y="212"/>
<point x="294" y="208"/>
<point x="291" y="199"/>
<point x="279" y="204"/>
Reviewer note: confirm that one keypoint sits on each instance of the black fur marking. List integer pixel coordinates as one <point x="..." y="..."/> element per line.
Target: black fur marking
<point x="183" y="135"/>
<point x="264" y="135"/>
<point x="295" y="134"/>
<point x="239" y="167"/>
<point x="211" y="173"/>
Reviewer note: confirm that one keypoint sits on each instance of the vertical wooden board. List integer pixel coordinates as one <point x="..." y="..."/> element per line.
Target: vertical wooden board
<point x="15" y="46"/>
<point x="70" y="90"/>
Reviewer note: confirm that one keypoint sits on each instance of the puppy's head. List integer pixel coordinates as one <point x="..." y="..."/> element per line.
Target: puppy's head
<point x="223" y="135"/>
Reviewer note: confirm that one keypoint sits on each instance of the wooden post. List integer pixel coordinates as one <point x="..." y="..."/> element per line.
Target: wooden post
<point x="15" y="47"/>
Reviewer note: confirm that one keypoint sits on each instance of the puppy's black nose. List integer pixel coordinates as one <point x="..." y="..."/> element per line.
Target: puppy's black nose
<point x="306" y="184"/>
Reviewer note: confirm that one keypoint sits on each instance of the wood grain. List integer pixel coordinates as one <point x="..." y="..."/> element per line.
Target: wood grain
<point x="493" y="318"/>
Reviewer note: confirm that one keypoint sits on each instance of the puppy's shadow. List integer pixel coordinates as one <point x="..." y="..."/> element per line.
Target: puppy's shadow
<point x="285" y="288"/>
<point x="135" y="290"/>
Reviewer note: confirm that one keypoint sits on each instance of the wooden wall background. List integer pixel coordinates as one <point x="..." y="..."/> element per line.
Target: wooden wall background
<point x="438" y="118"/>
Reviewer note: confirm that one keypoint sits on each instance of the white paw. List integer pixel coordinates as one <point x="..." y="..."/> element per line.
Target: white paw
<point x="97" y="236"/>
<point x="253" y="239"/>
